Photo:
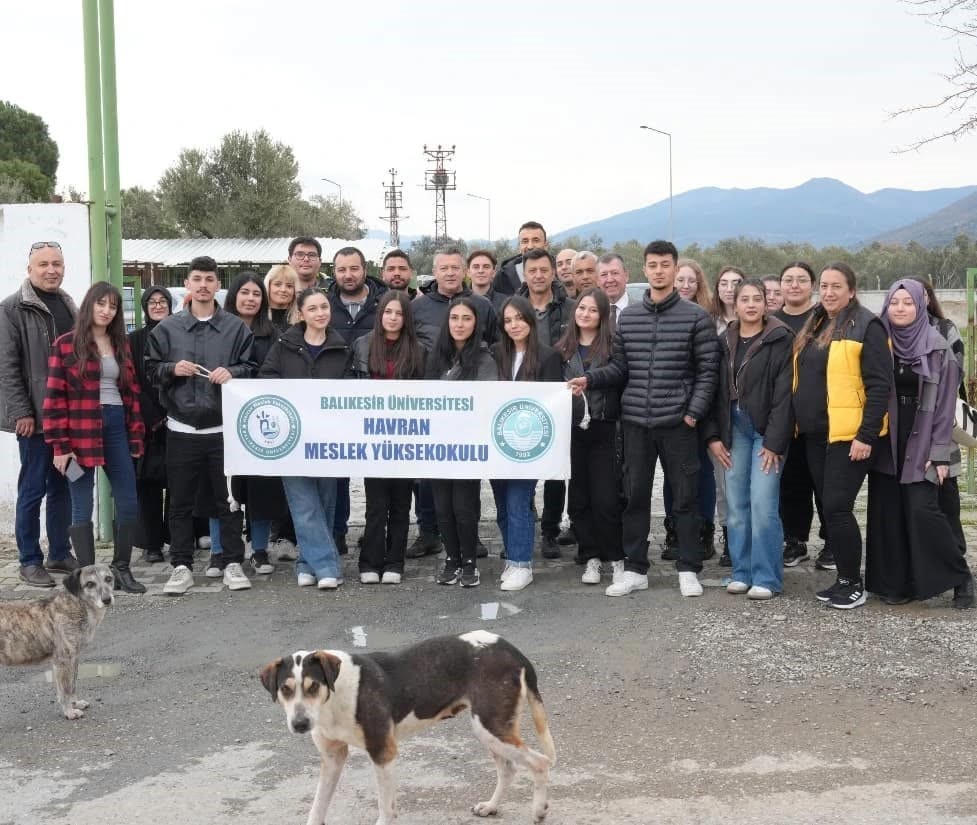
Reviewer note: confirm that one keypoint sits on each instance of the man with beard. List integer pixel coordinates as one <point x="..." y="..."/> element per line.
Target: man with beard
<point x="305" y="257"/>
<point x="397" y="272"/>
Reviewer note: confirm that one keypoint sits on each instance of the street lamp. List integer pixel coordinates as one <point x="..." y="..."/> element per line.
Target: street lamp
<point x="671" y="214"/>
<point x="339" y="187"/>
<point x="489" y="202"/>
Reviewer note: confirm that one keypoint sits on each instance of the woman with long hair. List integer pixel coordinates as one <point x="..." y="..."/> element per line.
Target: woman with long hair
<point x="911" y="551"/>
<point x="92" y="419"/>
<point x="842" y="382"/>
<point x="390" y="351"/>
<point x="281" y="284"/>
<point x="459" y="354"/>
<point x="594" y="497"/>
<point x="748" y="432"/>
<point x="311" y="349"/>
<point x="520" y="357"/>
<point x="692" y="284"/>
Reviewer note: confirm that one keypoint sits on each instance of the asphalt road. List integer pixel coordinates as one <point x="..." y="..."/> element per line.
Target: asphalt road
<point x="663" y="709"/>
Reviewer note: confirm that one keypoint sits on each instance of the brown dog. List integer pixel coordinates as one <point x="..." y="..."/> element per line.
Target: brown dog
<point x="374" y="700"/>
<point x="57" y="628"/>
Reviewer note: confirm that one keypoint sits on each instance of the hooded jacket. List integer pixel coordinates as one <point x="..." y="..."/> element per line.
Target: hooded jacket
<point x="150" y="407"/>
<point x="223" y="340"/>
<point x="345" y="324"/>
<point x="26" y="335"/>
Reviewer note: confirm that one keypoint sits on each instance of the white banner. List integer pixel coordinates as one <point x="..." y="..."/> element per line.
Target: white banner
<point x="396" y="429"/>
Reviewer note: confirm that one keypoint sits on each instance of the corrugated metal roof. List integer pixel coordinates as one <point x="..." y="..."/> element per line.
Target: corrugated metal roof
<point x="176" y="251"/>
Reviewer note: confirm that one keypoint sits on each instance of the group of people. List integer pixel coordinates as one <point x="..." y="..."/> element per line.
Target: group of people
<point x="760" y="403"/>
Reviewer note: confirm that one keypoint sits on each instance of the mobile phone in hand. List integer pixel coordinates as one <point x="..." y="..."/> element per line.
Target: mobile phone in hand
<point x="73" y="471"/>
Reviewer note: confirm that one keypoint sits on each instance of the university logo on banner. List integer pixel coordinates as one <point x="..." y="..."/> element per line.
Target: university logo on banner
<point x="269" y="427"/>
<point x="522" y="430"/>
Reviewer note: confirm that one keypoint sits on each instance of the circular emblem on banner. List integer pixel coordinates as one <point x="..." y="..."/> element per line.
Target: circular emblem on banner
<point x="269" y="427"/>
<point x="522" y="430"/>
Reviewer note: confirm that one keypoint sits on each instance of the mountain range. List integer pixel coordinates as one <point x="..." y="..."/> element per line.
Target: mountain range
<point x="822" y="211"/>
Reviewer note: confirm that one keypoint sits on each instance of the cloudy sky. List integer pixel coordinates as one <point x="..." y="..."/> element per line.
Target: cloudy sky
<point x="543" y="100"/>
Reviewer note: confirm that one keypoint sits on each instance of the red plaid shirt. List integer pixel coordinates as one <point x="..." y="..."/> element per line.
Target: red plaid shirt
<point x="73" y="411"/>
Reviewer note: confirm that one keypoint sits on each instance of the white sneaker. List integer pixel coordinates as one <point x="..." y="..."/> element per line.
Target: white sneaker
<point x="617" y="571"/>
<point x="214" y="569"/>
<point x="518" y="578"/>
<point x="505" y="572"/>
<point x="628" y="583"/>
<point x="737" y="588"/>
<point x="369" y="577"/>
<point x="592" y="574"/>
<point x="204" y="543"/>
<point x="306" y="580"/>
<point x="329" y="583"/>
<point x="391" y="577"/>
<point x="760" y="593"/>
<point x="286" y="550"/>
<point x="181" y="580"/>
<point x="688" y="584"/>
<point x="234" y="578"/>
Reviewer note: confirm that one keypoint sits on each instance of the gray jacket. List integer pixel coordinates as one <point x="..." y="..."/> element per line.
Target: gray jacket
<point x="223" y="341"/>
<point x="26" y="334"/>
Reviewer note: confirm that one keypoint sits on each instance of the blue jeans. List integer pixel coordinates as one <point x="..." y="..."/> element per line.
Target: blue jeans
<point x="756" y="534"/>
<point x="260" y="535"/>
<point x="513" y="514"/>
<point x="118" y="467"/>
<point x="312" y="502"/>
<point x="37" y="479"/>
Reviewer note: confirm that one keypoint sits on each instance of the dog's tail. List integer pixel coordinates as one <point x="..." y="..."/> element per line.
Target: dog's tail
<point x="531" y="690"/>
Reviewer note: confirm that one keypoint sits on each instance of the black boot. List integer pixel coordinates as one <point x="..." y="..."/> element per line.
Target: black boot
<point x="707" y="533"/>
<point x="670" y="546"/>
<point x="83" y="540"/>
<point x="121" y="556"/>
<point x="724" y="559"/>
<point x="963" y="595"/>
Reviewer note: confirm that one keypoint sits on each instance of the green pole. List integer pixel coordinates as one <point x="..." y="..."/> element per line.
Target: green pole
<point x="110" y="138"/>
<point x="96" y="171"/>
<point x="970" y="372"/>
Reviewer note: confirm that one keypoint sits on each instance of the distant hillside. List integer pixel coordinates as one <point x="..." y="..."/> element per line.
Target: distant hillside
<point x="940" y="228"/>
<point x="822" y="211"/>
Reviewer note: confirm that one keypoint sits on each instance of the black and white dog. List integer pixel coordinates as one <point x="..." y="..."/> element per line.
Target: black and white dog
<point x="374" y="700"/>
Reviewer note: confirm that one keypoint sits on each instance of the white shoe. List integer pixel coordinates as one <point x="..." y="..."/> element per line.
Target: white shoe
<point x="592" y="574"/>
<point x="617" y="571"/>
<point x="329" y="583"/>
<point x="234" y="578"/>
<point x="505" y="572"/>
<point x="629" y="582"/>
<point x="204" y="543"/>
<point x="306" y="580"/>
<point x="518" y="578"/>
<point x="391" y="577"/>
<point x="737" y="588"/>
<point x="688" y="584"/>
<point x="760" y="593"/>
<point x="369" y="577"/>
<point x="181" y="580"/>
<point x="214" y="569"/>
<point x="285" y="550"/>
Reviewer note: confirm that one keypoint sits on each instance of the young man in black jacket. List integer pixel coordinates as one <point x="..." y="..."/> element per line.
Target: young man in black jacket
<point x="509" y="277"/>
<point x="189" y="356"/>
<point x="666" y="357"/>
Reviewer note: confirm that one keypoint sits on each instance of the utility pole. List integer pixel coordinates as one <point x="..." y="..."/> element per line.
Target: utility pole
<point x="440" y="179"/>
<point x="393" y="202"/>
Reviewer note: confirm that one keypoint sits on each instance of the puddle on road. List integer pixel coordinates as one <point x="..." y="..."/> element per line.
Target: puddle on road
<point x="376" y="639"/>
<point x="91" y="670"/>
<point x="491" y="610"/>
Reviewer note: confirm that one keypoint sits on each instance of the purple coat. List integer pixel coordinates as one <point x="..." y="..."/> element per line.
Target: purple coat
<point x="932" y="435"/>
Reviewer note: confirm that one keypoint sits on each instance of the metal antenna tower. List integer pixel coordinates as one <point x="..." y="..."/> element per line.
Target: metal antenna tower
<point x="393" y="202"/>
<point x="439" y="178"/>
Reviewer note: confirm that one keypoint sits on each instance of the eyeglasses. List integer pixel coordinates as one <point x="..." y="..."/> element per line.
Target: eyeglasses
<point x="45" y="245"/>
<point x="162" y="302"/>
<point x="305" y="256"/>
<point x="795" y="281"/>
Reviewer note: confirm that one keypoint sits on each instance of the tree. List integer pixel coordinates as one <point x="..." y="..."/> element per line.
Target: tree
<point x="247" y="187"/>
<point x="12" y="191"/>
<point x="24" y="137"/>
<point x="35" y="185"/>
<point x="422" y="252"/>
<point x="143" y="216"/>
<point x="959" y="19"/>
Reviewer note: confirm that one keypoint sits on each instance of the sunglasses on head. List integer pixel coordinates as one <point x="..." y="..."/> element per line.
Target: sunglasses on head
<point x="45" y="245"/>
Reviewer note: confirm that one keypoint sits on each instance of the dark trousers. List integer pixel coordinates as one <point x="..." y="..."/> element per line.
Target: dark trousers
<point x="594" y="499"/>
<point x="554" y="495"/>
<point x="190" y="458"/>
<point x="151" y="498"/>
<point x="707" y="488"/>
<point x="424" y="512"/>
<point x="838" y="479"/>
<point x="457" y="505"/>
<point x="797" y="491"/>
<point x="387" y="520"/>
<point x="949" y="497"/>
<point x="341" y="516"/>
<point x="910" y="549"/>
<point x="678" y="450"/>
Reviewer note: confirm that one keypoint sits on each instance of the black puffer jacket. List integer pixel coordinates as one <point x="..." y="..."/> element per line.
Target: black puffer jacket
<point x="558" y="314"/>
<point x="603" y="405"/>
<point x="666" y="356"/>
<point x="762" y="386"/>
<point x="347" y="326"/>
<point x="289" y="356"/>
